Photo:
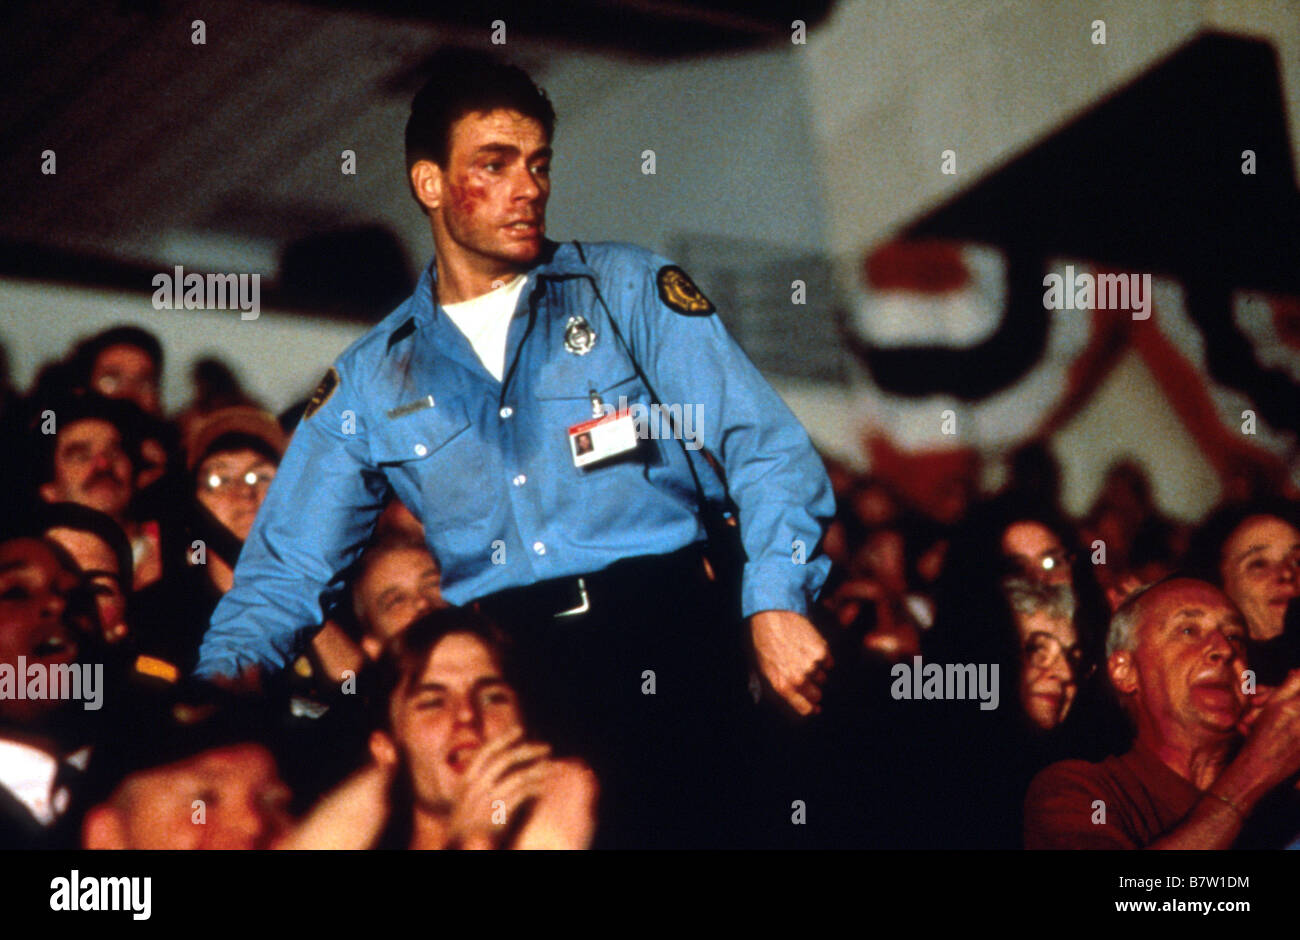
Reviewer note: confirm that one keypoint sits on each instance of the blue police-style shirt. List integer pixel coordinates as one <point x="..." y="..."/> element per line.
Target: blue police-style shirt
<point x="487" y="465"/>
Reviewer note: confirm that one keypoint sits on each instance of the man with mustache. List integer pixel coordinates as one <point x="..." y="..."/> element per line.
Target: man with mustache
<point x="92" y="458"/>
<point x="1210" y="760"/>
<point x="90" y="454"/>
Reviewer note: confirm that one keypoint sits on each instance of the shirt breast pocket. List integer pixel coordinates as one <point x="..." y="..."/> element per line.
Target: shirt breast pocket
<point x="571" y="385"/>
<point x="567" y="401"/>
<point x="432" y="462"/>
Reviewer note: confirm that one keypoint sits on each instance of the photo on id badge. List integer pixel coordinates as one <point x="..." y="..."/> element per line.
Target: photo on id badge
<point x="599" y="439"/>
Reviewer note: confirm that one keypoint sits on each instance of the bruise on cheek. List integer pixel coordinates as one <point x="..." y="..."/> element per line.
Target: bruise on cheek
<point x="466" y="195"/>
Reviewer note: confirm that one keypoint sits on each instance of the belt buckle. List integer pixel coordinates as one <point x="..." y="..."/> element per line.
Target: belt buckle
<point x="581" y="608"/>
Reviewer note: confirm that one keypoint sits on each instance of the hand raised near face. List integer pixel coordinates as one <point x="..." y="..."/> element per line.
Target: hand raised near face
<point x="1272" y="748"/>
<point x="564" y="813"/>
<point x="504" y="773"/>
<point x="351" y="816"/>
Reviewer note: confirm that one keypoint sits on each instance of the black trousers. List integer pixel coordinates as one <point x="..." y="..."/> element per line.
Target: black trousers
<point x="644" y="674"/>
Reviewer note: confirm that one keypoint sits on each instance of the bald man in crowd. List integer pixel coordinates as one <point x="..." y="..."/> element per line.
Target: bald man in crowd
<point x="1214" y="763"/>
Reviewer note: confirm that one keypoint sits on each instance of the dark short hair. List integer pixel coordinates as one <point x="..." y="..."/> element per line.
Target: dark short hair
<point x="157" y="733"/>
<point x="463" y="82"/>
<point x="124" y="415"/>
<point x="380" y="547"/>
<point x="88" y="350"/>
<point x="21" y="525"/>
<point x="1205" y="549"/>
<point x="84" y="519"/>
<point x="407" y="654"/>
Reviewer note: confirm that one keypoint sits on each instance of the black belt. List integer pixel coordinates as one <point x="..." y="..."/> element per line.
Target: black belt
<point x="625" y="582"/>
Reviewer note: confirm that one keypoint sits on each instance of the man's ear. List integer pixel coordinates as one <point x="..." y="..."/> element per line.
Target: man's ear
<point x="49" y="492"/>
<point x="426" y="183"/>
<point x="1123" y="671"/>
<point x="103" y="828"/>
<point x="382" y="749"/>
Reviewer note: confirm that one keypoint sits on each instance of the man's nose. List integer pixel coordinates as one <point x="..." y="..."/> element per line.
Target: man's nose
<point x="467" y="713"/>
<point x="53" y="605"/>
<point x="526" y="186"/>
<point x="1217" y="647"/>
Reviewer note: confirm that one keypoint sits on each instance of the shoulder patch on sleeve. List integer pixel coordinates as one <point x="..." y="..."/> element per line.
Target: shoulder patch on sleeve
<point x="678" y="291"/>
<point x="322" y="394"/>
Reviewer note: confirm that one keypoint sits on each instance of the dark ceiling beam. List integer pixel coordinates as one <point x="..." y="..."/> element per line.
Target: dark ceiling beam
<point x="654" y="28"/>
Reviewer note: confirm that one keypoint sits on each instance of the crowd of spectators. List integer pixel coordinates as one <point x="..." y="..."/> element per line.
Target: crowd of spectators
<point x="1144" y="666"/>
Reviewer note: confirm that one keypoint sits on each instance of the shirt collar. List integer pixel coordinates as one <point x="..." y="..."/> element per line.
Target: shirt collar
<point x="1157" y="771"/>
<point x="28" y="773"/>
<point x="557" y="260"/>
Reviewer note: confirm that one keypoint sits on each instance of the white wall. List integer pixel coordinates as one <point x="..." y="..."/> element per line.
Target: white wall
<point x="734" y="147"/>
<point x="893" y="84"/>
<point x="1130" y="415"/>
<point x="279" y="358"/>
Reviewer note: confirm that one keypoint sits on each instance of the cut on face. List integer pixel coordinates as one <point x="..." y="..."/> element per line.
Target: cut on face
<point x="490" y="212"/>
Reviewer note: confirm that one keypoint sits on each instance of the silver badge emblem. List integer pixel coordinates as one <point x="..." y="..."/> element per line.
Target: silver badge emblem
<point x="579" y="337"/>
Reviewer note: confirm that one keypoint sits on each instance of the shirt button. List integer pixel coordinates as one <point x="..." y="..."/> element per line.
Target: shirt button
<point x="539" y="547"/>
<point x="506" y="412"/>
<point x="420" y="450"/>
<point x="520" y="480"/>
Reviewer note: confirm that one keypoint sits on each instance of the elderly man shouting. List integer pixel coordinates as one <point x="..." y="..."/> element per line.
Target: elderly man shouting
<point x="1211" y="757"/>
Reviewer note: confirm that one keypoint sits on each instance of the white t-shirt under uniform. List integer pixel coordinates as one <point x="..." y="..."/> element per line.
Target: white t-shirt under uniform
<point x="485" y="321"/>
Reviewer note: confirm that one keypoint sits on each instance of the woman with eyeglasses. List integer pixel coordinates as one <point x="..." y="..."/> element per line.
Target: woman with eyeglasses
<point x="1016" y="592"/>
<point x="1052" y="661"/>
<point x="231" y="455"/>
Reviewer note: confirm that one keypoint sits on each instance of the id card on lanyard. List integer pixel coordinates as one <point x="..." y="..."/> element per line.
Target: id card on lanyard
<point x="602" y="436"/>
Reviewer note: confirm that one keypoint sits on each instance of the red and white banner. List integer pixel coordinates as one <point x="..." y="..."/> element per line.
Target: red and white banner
<point x="959" y="357"/>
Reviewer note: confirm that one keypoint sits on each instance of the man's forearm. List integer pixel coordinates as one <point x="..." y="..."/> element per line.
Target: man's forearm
<point x="1212" y="824"/>
<point x="1218" y="817"/>
<point x="237" y="640"/>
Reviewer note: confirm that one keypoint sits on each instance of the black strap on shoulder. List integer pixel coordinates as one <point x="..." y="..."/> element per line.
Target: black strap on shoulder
<point x="728" y="505"/>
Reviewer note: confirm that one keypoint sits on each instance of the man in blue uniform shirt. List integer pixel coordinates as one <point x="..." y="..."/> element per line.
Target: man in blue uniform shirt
<point x="491" y="404"/>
